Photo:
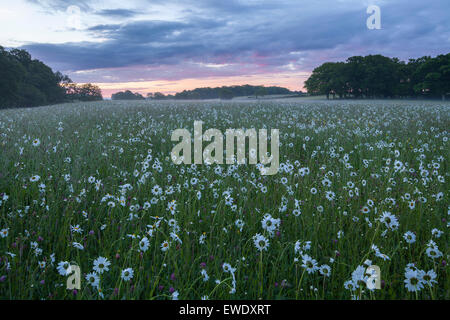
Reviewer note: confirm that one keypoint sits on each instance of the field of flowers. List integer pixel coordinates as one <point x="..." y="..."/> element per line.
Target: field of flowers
<point x="92" y="184"/>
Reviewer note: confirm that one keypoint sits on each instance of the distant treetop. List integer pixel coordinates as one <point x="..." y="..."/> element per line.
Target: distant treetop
<point x="230" y="92"/>
<point x="376" y="76"/>
<point x="127" y="95"/>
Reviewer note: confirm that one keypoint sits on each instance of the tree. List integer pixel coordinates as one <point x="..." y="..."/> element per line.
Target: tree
<point x="237" y="91"/>
<point x="380" y="76"/>
<point x="355" y="74"/>
<point x="90" y="92"/>
<point x="226" y="94"/>
<point x="159" y="96"/>
<point x="376" y="76"/>
<point x="25" y="82"/>
<point x="435" y="74"/>
<point x="261" y="92"/>
<point x="327" y="79"/>
<point x="85" y="92"/>
<point x="127" y="95"/>
<point x="12" y="74"/>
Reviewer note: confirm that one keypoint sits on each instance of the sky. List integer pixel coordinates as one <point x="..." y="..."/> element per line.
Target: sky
<point x="171" y="45"/>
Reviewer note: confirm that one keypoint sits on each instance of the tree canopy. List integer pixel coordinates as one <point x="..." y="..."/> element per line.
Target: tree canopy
<point x="377" y="76"/>
<point x="83" y="92"/>
<point x="26" y="82"/>
<point x="127" y="95"/>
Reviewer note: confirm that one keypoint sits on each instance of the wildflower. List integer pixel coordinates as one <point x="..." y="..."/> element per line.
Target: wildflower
<point x="35" y="178"/>
<point x="325" y="270"/>
<point x="64" y="268"/>
<point x="409" y="237"/>
<point x="93" y="279"/>
<point x="433" y="252"/>
<point x="330" y="195"/>
<point x="204" y="275"/>
<point x="202" y="238"/>
<point x="389" y="220"/>
<point x="227" y="268"/>
<point x="350" y="285"/>
<point x="144" y="244"/>
<point x="127" y="274"/>
<point x="429" y="277"/>
<point x="36" y="143"/>
<point x="78" y="245"/>
<point x="359" y="277"/>
<point x="4" y="232"/>
<point x="413" y="281"/>
<point x="309" y="264"/>
<point x="365" y="209"/>
<point x="76" y="229"/>
<point x="165" y="246"/>
<point x="261" y="242"/>
<point x="101" y="265"/>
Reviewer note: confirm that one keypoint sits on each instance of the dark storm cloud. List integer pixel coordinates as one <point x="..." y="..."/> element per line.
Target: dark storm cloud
<point x="261" y="33"/>
<point x="153" y="42"/>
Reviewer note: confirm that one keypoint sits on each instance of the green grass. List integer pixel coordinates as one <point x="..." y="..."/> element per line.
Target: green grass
<point x="112" y="141"/>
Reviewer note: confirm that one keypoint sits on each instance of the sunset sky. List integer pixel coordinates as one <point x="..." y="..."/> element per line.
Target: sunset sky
<point x="171" y="45"/>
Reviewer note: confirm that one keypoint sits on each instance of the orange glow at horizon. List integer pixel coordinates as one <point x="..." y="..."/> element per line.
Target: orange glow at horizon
<point x="291" y="80"/>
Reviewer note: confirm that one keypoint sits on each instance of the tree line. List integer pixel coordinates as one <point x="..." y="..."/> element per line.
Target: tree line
<point x="223" y="92"/>
<point x="377" y="76"/>
<point x="27" y="82"/>
<point x="230" y="92"/>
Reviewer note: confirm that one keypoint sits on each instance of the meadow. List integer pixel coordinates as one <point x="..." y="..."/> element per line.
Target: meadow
<point x="359" y="183"/>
